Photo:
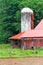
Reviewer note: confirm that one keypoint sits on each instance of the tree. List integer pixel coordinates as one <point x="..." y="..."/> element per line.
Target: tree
<point x="10" y="23"/>
<point x="36" y="6"/>
<point x="10" y="16"/>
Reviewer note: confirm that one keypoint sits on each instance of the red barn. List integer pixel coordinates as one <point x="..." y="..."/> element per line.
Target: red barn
<point x="34" y="38"/>
<point x="31" y="38"/>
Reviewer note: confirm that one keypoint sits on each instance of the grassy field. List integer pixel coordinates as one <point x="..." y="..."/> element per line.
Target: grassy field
<point x="16" y="52"/>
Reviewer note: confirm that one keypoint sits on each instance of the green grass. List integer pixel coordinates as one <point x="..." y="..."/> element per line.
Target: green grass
<point x="16" y="52"/>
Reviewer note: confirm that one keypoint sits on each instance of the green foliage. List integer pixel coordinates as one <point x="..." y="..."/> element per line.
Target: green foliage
<point x="9" y="19"/>
<point x="10" y="15"/>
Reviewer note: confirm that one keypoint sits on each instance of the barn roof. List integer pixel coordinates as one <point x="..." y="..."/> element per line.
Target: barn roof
<point x="39" y="26"/>
<point x="17" y="36"/>
<point x="33" y="33"/>
<point x="37" y="32"/>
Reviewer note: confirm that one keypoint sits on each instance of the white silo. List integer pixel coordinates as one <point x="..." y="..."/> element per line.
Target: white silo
<point x="26" y="19"/>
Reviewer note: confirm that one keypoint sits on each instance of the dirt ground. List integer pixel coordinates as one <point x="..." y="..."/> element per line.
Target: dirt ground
<point x="22" y="61"/>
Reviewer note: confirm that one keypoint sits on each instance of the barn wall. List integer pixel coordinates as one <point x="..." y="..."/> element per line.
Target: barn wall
<point x="36" y="44"/>
<point x="29" y="43"/>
